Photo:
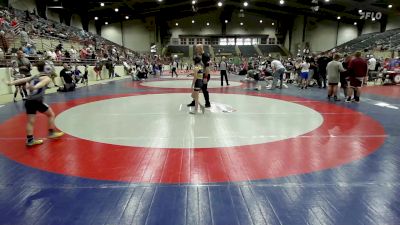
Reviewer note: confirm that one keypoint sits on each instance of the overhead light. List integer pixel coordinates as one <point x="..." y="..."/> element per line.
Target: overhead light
<point x="273" y="24"/>
<point x="359" y="11"/>
<point x="219" y="4"/>
<point x="116" y="9"/>
<point x="338" y="17"/>
<point x="226" y="21"/>
<point x="159" y="0"/>
<point x="176" y="24"/>
<point x="208" y="24"/>
<point x="192" y="21"/>
<point x="55" y="7"/>
<point x="261" y="21"/>
<point x="106" y="23"/>
<point x="193" y="2"/>
<point x="390" y="6"/>
<point x="355" y="23"/>
<point x="127" y="17"/>
<point x="102" y="4"/>
<point x="96" y="18"/>
<point x="245" y="4"/>
<point x="241" y="23"/>
<point x="373" y="19"/>
<point x="281" y="2"/>
<point x="326" y="0"/>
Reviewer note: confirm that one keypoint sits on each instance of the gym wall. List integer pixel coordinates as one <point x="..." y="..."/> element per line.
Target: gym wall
<point x="251" y="25"/>
<point x="23" y="4"/>
<point x="133" y="35"/>
<point x="393" y="22"/>
<point x="371" y="27"/>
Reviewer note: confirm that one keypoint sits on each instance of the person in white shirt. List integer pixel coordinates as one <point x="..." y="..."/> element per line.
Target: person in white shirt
<point x="73" y="54"/>
<point x="174" y="66"/>
<point x="222" y="67"/>
<point x="277" y="70"/>
<point x="371" y="67"/>
<point x="305" y="69"/>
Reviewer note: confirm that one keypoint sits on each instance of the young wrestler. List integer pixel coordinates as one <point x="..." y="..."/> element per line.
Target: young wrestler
<point x="36" y="85"/>
<point x="197" y="84"/>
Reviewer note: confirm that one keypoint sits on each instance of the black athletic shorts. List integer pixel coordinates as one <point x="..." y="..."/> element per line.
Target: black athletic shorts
<point x="198" y="84"/>
<point x="356" y="82"/>
<point x="33" y="106"/>
<point x="333" y="84"/>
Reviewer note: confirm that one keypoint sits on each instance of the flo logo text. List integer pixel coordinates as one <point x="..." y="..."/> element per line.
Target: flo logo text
<point x="370" y="15"/>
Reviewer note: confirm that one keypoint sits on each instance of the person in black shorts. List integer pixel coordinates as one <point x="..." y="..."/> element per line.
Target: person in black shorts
<point x="205" y="58"/>
<point x="36" y="85"/>
<point x="197" y="84"/>
<point x="85" y="79"/>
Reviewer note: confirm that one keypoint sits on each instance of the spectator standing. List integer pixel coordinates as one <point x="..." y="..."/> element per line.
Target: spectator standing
<point x="66" y="76"/>
<point x="305" y="68"/>
<point x="371" y="67"/>
<point x="24" y="64"/>
<point x="4" y="42"/>
<point x="16" y="75"/>
<point x="24" y="37"/>
<point x="322" y="63"/>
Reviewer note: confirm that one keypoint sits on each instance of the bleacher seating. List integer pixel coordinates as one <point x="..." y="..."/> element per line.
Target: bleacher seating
<point x="179" y="49"/>
<point x="225" y="49"/>
<point x="389" y="40"/>
<point x="248" y="50"/>
<point x="268" y="49"/>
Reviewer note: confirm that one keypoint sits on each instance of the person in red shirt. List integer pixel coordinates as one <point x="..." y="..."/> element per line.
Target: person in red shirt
<point x="14" y="22"/>
<point x="358" y="69"/>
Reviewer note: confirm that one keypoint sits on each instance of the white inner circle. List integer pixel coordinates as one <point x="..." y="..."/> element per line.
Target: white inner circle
<point x="186" y="84"/>
<point x="163" y="121"/>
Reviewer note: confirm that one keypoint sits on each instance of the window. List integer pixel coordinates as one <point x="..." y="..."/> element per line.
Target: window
<point x="215" y="41"/>
<point x="255" y="41"/>
<point x="183" y="41"/>
<point x="271" y="41"/>
<point x="263" y="41"/>
<point x="175" y="41"/>
<point x="199" y="41"/>
<point x="239" y="41"/>
<point x="223" y="41"/>
<point x="231" y="41"/>
<point x="191" y="41"/>
<point x="207" y="41"/>
<point x="247" y="41"/>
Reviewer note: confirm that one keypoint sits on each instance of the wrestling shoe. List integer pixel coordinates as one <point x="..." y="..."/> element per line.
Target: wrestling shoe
<point x="191" y="104"/>
<point x="34" y="142"/>
<point x="56" y="134"/>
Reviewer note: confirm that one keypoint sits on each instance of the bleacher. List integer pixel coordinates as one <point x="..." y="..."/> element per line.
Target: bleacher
<point x="248" y="50"/>
<point x="182" y="50"/>
<point x="270" y="49"/>
<point x="224" y="49"/>
<point x="389" y="40"/>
